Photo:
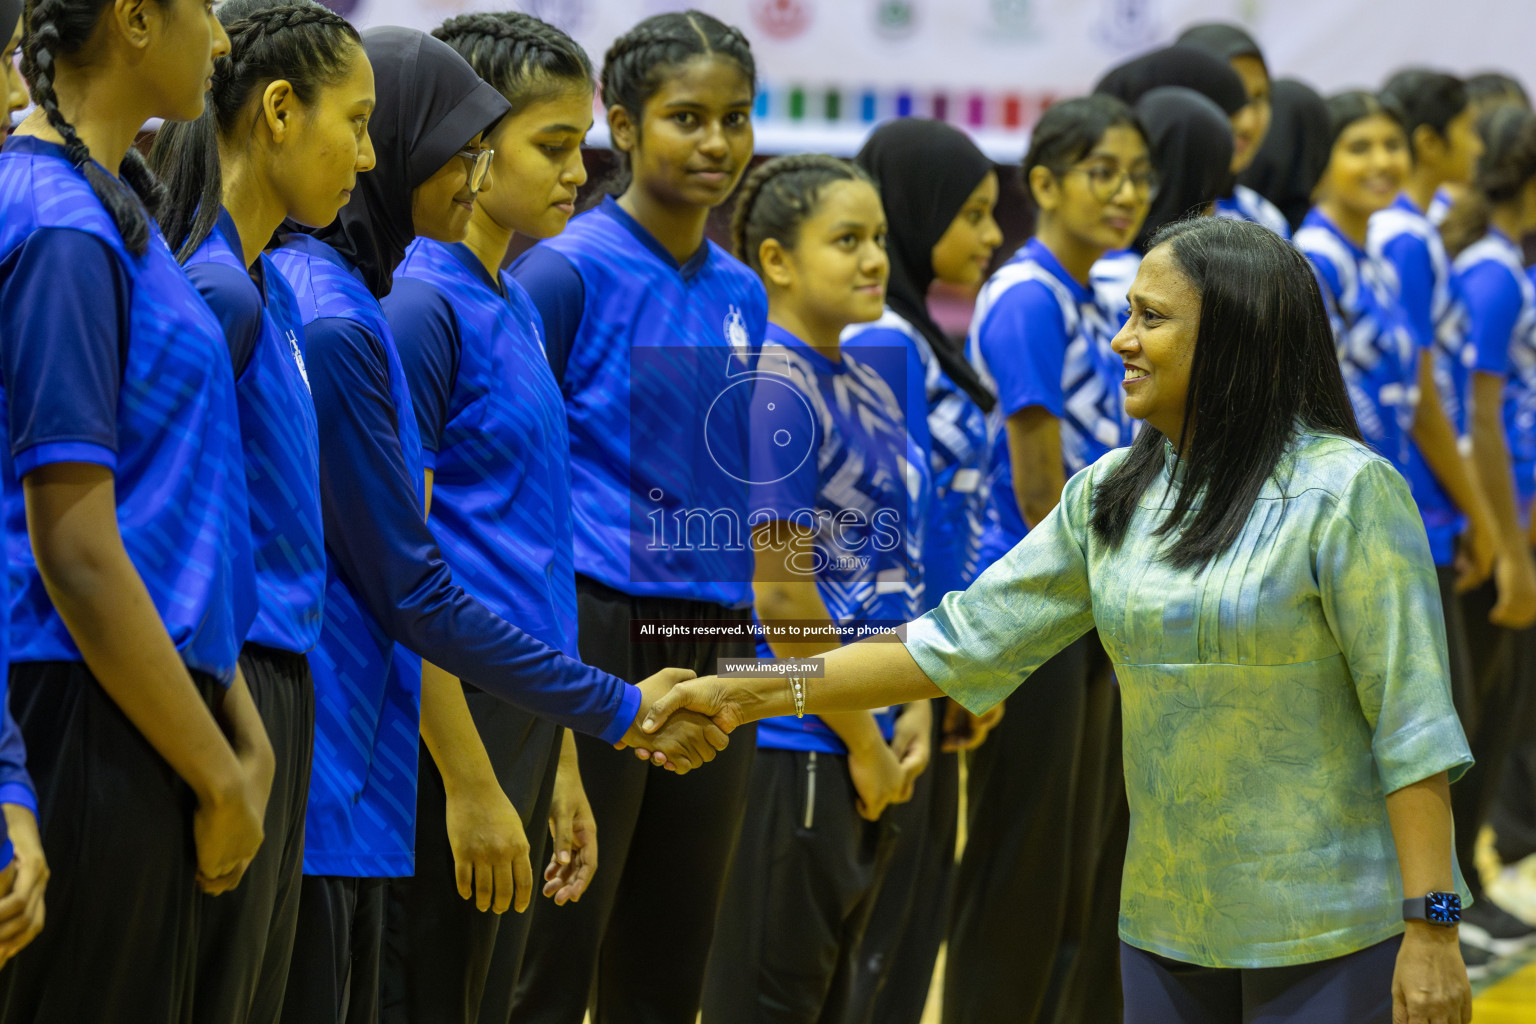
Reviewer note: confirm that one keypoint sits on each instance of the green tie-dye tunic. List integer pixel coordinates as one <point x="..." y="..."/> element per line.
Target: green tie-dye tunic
<point x="1270" y="700"/>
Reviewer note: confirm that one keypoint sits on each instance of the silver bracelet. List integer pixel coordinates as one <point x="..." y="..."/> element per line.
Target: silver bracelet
<point x="797" y="688"/>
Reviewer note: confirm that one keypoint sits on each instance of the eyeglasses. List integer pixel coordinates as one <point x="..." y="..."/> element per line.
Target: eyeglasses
<point x="479" y="165"/>
<point x="1105" y="182"/>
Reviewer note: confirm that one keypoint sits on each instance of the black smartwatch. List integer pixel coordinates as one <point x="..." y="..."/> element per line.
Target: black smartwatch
<point x="1442" y="908"/>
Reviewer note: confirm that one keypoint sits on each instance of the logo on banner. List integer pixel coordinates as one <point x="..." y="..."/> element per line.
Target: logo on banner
<point x="1013" y="18"/>
<point x="895" y="19"/>
<point x="782" y="19"/>
<point x="1127" y="24"/>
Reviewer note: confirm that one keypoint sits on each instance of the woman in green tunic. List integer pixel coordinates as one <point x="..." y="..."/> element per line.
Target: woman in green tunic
<point x="1264" y="587"/>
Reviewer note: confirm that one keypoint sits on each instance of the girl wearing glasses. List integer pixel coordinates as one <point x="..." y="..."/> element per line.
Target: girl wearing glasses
<point x="386" y="580"/>
<point x="650" y="330"/>
<point x="1042" y="341"/>
<point x="498" y="484"/>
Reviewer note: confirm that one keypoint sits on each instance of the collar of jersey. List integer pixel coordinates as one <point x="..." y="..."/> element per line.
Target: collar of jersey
<point x="225" y="226"/>
<point x="1034" y="249"/>
<point x="467" y="258"/>
<point x="780" y="336"/>
<point x="1318" y="217"/>
<point x="692" y="266"/>
<point x="309" y="245"/>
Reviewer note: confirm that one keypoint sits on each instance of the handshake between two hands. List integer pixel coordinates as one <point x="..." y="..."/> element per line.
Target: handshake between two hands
<point x="684" y="720"/>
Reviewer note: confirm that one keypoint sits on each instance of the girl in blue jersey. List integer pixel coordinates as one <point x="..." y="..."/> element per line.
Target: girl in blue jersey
<point x="23" y="865"/>
<point x="126" y="531"/>
<point x="650" y="329"/>
<point x="498" y="482"/>
<point x="1042" y="340"/>
<point x="1250" y="125"/>
<point x="285" y="135"/>
<point x="838" y="542"/>
<point x="941" y="192"/>
<point x="386" y="582"/>
<point x="1484" y="234"/>
<point x="1366" y="167"/>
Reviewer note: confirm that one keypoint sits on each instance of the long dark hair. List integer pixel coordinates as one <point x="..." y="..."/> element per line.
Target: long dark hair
<point x="297" y="41"/>
<point x="781" y="195"/>
<point x="525" y="59"/>
<point x="636" y="65"/>
<point x="1507" y="164"/>
<point x="1264" y="361"/>
<point x="55" y="28"/>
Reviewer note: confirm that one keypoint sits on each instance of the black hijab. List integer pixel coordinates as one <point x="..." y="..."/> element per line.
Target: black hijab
<point x="1177" y="65"/>
<point x="10" y="14"/>
<point x="1222" y="41"/>
<point x="925" y="171"/>
<point x="430" y="104"/>
<point x="1191" y="143"/>
<point x="1295" y="153"/>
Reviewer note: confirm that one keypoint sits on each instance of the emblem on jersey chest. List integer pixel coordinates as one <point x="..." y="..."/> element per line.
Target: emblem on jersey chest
<point x="736" y="334"/>
<point x="298" y="358"/>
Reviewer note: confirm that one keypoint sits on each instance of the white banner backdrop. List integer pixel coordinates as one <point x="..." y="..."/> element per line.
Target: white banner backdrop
<point x="830" y="68"/>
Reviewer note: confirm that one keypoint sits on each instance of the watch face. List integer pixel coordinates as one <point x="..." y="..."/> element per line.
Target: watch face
<point x="1442" y="907"/>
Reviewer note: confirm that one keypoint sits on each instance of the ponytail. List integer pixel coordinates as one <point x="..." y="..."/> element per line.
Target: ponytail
<point x="1508" y="164"/>
<point x="55" y="27"/>
<point x="297" y="41"/>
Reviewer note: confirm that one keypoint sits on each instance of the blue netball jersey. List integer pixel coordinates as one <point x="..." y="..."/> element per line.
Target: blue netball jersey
<point x="1376" y="347"/>
<point x="386" y="582"/>
<point x="261" y="321"/>
<point x="1501" y="329"/>
<point x="493" y="431"/>
<point x="951" y="428"/>
<point x="114" y="359"/>
<point x="1403" y="237"/>
<point x="831" y="452"/>
<point x="1246" y="204"/>
<point x="1041" y="338"/>
<point x="654" y="359"/>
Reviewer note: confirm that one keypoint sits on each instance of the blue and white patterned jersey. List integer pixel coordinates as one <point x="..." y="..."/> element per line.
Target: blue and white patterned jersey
<point x="1041" y="338"/>
<point x="1376" y="348"/>
<point x="1246" y="204"/>
<point x="114" y="359"/>
<point x="955" y="430"/>
<point x="831" y="453"/>
<point x="1501" y="330"/>
<point x="1403" y="237"/>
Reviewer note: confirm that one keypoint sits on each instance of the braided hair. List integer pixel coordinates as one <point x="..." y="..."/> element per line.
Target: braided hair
<point x="781" y="195"/>
<point x="523" y="58"/>
<point x="55" y="27"/>
<point x="297" y="41"/>
<point x="636" y="65"/>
